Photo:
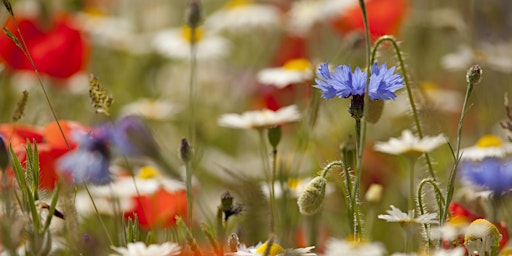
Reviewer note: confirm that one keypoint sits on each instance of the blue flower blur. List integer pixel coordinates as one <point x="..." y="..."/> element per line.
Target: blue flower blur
<point x="343" y="83"/>
<point x="131" y="137"/>
<point x="90" y="162"/>
<point x="490" y="174"/>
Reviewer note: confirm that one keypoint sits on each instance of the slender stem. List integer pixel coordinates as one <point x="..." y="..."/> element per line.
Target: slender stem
<point x="409" y="91"/>
<point x="193" y="81"/>
<point x="453" y="172"/>
<point x="99" y="215"/>
<point x="264" y="159"/>
<point x="272" y="187"/>
<point x="190" y="199"/>
<point x="356" y="193"/>
<point x="412" y="161"/>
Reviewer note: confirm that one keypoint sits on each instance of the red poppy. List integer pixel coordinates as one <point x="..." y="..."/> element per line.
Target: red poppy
<point x="384" y="17"/>
<point x="159" y="209"/>
<point x="58" y="50"/>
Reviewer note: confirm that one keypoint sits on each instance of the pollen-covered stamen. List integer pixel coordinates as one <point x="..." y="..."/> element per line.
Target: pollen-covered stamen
<point x="487" y="141"/>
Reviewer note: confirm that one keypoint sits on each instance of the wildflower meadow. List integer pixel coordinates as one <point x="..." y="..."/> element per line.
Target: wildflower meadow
<point x="255" y="127"/>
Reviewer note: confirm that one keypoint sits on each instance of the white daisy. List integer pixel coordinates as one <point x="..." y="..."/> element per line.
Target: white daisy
<point x="303" y="15"/>
<point x="293" y="186"/>
<point x="410" y="144"/>
<point x="396" y="215"/>
<point x="487" y="146"/>
<point x="457" y="251"/>
<point x="261" y="118"/>
<point x="107" y="31"/>
<point x="335" y="247"/>
<point x="176" y="43"/>
<point x="495" y="56"/>
<point x="141" y="249"/>
<point x="150" y="108"/>
<point x="275" y="250"/>
<point x="292" y="72"/>
<point x="243" y="15"/>
<point x="451" y="230"/>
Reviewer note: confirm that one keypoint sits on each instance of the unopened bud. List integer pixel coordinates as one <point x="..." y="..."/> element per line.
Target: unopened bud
<point x="474" y="75"/>
<point x="226" y="200"/>
<point x="374" y="193"/>
<point x="312" y="197"/>
<point x="274" y="136"/>
<point x="186" y="152"/>
<point x="233" y="243"/>
<point x="193" y="15"/>
<point x="482" y="238"/>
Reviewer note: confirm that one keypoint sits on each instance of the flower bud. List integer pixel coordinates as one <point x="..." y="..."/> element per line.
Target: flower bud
<point x="193" y="15"/>
<point x="312" y="197"/>
<point x="4" y="155"/>
<point x="482" y="238"/>
<point x="374" y="193"/>
<point x="356" y="108"/>
<point x="186" y="152"/>
<point x="474" y="75"/>
<point x="274" y="136"/>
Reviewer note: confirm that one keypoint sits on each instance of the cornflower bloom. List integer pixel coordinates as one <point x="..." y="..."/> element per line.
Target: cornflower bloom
<point x="90" y="162"/>
<point x="343" y="83"/>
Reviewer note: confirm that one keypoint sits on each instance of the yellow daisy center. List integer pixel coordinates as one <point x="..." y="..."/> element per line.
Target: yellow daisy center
<point x="186" y="32"/>
<point x="275" y="249"/>
<point x="297" y="64"/>
<point x="293" y="183"/>
<point x="489" y="141"/>
<point x="148" y="172"/>
<point x="429" y="86"/>
<point x="237" y="3"/>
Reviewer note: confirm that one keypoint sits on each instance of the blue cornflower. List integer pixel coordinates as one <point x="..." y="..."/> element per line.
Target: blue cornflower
<point x="491" y="173"/>
<point x="344" y="83"/>
<point x="131" y="137"/>
<point x="90" y="162"/>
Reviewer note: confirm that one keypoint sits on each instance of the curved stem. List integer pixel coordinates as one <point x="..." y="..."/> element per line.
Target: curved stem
<point x="409" y="91"/>
<point x="439" y="198"/>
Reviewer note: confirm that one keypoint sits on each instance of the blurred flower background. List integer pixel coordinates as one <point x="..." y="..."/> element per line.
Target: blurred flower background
<point x="128" y="80"/>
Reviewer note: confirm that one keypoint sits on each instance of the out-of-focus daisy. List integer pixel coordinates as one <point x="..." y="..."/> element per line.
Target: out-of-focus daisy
<point x="410" y="144"/>
<point x="304" y="14"/>
<point x="337" y="247"/>
<point x="457" y="251"/>
<point x="176" y="43"/>
<point x="487" y="146"/>
<point x="107" y="31"/>
<point x="452" y="230"/>
<point x="495" y="56"/>
<point x="243" y="16"/>
<point x="396" y="215"/>
<point x="292" y="72"/>
<point x="343" y="83"/>
<point x="141" y="249"/>
<point x="260" y="119"/>
<point x="275" y="250"/>
<point x="150" y="108"/>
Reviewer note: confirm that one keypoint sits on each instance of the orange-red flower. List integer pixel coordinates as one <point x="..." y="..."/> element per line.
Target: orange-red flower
<point x="160" y="208"/>
<point x="58" y="50"/>
<point x="384" y="17"/>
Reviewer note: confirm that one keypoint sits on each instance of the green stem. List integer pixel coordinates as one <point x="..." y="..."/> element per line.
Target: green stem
<point x="453" y="172"/>
<point x="99" y="215"/>
<point x="264" y="159"/>
<point x="408" y="88"/>
<point x="193" y="81"/>
<point x="190" y="199"/>
<point x="356" y="192"/>
<point x="412" y="161"/>
<point x="421" y="206"/>
<point x="272" y="188"/>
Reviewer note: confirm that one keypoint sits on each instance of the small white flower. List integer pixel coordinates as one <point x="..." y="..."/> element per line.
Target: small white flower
<point x="336" y="247"/>
<point x="495" y="56"/>
<point x="175" y="43"/>
<point x="260" y="119"/>
<point x="276" y="250"/>
<point x="293" y="186"/>
<point x="451" y="230"/>
<point x="150" y="108"/>
<point x="243" y="16"/>
<point x="410" y="144"/>
<point x="487" y="146"/>
<point x="457" y="251"/>
<point x="141" y="249"/>
<point x="292" y="72"/>
<point x="396" y="215"/>
<point x="303" y="15"/>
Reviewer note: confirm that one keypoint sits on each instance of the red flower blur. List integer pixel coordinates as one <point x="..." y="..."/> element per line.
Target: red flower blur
<point x="384" y="18"/>
<point x="50" y="146"/>
<point x="58" y="50"/>
<point x="159" y="209"/>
